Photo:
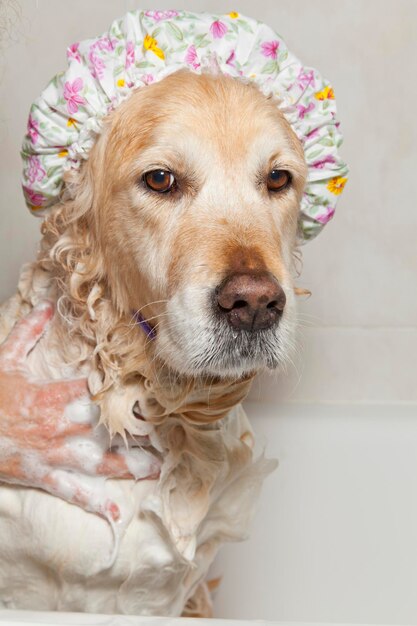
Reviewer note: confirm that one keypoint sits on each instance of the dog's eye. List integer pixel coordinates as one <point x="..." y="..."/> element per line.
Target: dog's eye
<point x="159" y="180"/>
<point x="278" y="180"/>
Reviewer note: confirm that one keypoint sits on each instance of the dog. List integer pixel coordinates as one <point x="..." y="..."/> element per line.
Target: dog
<point x="170" y="261"/>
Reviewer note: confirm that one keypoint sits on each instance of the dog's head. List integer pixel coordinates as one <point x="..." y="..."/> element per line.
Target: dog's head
<point x="197" y="181"/>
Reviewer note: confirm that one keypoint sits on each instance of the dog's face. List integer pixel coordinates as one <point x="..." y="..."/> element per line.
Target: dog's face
<point x="197" y="183"/>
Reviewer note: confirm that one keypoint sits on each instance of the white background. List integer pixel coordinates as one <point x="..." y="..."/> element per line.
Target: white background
<point x="336" y="537"/>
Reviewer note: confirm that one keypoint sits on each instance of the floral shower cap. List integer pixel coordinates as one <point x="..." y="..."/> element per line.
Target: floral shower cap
<point x="146" y="46"/>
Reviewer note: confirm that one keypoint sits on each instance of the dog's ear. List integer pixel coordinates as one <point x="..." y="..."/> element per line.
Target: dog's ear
<point x="78" y="192"/>
<point x="81" y="186"/>
<point x="69" y="248"/>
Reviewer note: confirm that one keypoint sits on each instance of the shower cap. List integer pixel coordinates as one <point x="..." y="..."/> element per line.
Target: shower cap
<point x="146" y="46"/>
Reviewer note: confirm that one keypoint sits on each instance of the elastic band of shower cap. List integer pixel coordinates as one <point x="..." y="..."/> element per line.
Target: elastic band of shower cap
<point x="146" y="46"/>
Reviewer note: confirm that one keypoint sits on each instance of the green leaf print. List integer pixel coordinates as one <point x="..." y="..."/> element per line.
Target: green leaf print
<point x="53" y="170"/>
<point x="326" y="141"/>
<point x="245" y="26"/>
<point x="315" y="153"/>
<point x="270" y="68"/>
<point x="175" y="31"/>
<point x="198" y="42"/>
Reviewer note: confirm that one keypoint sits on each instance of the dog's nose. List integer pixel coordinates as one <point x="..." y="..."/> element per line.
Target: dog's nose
<point x="251" y="301"/>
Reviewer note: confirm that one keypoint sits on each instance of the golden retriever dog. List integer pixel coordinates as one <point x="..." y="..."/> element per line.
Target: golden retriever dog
<point x="183" y="221"/>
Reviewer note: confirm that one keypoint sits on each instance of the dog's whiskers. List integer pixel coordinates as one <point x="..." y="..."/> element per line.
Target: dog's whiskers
<point x="133" y="321"/>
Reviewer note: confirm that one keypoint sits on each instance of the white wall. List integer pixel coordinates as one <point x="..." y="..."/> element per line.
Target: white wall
<point x="311" y="556"/>
<point x="335" y="537"/>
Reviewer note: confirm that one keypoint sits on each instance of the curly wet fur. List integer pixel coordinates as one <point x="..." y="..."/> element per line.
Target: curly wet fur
<point x="111" y="248"/>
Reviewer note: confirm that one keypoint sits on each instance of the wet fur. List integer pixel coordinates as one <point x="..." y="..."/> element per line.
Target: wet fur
<point x="111" y="247"/>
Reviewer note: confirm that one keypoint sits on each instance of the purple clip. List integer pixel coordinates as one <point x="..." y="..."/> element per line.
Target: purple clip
<point x="140" y="321"/>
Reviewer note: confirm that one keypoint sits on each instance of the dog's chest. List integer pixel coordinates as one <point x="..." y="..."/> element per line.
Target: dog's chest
<point x="55" y="556"/>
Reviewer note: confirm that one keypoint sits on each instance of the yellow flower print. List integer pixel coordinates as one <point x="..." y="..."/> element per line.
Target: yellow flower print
<point x="71" y="122"/>
<point x="325" y="94"/>
<point x="336" y="185"/>
<point x="149" y="43"/>
<point x="121" y="82"/>
<point x="63" y="153"/>
<point x="233" y="15"/>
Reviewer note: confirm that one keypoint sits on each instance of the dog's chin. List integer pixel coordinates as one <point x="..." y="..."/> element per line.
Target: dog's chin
<point x="226" y="353"/>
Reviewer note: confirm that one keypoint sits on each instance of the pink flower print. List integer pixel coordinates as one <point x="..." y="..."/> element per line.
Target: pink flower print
<point x="35" y="199"/>
<point x="33" y="128"/>
<point x="269" y="48"/>
<point x="130" y="54"/>
<point x="161" y="15"/>
<point x="191" y="57"/>
<point x="302" y="110"/>
<point x="322" y="162"/>
<point x="218" y="29"/>
<point x="72" y="96"/>
<point x="231" y="60"/>
<point x="313" y="133"/>
<point x="305" y="78"/>
<point x="97" y="65"/>
<point x="105" y="43"/>
<point x="325" y="215"/>
<point x="35" y="171"/>
<point x="72" y="52"/>
<point x="148" y="79"/>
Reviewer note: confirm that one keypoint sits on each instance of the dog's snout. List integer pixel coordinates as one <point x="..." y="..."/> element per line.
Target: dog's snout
<point x="251" y="301"/>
